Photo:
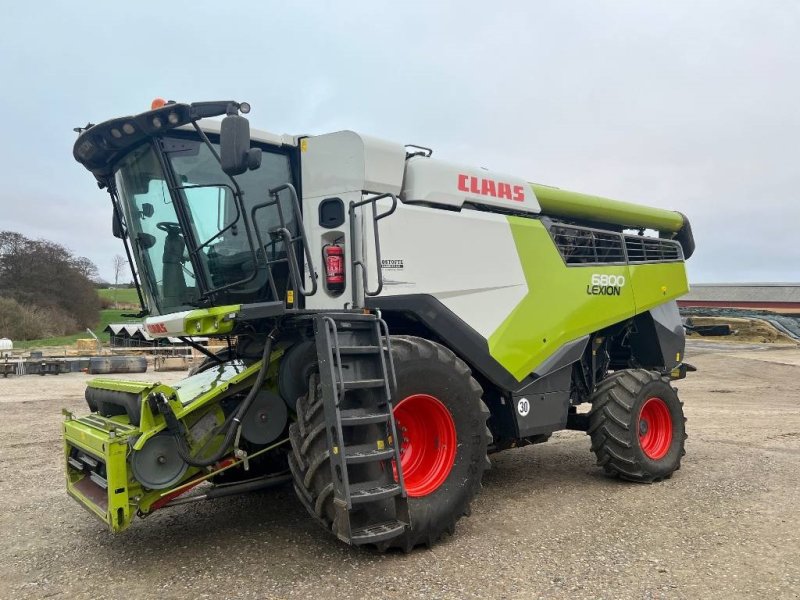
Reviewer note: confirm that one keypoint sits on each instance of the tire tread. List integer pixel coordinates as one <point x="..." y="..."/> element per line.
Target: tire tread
<point x="613" y="427"/>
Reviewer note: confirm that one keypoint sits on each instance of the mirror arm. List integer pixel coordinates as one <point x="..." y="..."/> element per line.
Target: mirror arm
<point x="215" y="108"/>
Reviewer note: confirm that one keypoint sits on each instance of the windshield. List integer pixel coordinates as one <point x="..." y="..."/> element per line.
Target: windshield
<point x="217" y="227"/>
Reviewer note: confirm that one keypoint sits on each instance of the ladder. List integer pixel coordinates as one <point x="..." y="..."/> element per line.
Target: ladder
<point x="357" y="378"/>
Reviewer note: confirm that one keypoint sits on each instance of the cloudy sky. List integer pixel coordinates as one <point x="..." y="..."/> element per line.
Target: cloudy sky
<point x="690" y="105"/>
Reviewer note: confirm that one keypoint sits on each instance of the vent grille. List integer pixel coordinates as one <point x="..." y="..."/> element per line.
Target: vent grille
<point x="642" y="249"/>
<point x="586" y="246"/>
<point x="579" y="245"/>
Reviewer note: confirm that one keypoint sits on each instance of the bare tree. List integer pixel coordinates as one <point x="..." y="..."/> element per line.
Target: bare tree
<point x="120" y="263"/>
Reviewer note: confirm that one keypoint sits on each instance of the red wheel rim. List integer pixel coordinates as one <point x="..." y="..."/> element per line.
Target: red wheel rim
<point x="427" y="443"/>
<point x="655" y="428"/>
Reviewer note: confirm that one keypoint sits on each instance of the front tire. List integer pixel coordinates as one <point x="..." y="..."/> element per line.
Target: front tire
<point x="441" y="423"/>
<point x="637" y="426"/>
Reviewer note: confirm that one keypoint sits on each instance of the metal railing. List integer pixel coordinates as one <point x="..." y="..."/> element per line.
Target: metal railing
<point x="283" y="234"/>
<point x="355" y="264"/>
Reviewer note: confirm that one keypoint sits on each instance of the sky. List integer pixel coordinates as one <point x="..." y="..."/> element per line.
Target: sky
<point x="687" y="105"/>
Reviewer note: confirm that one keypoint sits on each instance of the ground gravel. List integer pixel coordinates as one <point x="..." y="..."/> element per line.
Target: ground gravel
<point x="547" y="524"/>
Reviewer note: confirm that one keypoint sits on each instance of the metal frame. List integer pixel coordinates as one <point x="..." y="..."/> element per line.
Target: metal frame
<point x="624" y="239"/>
<point x="334" y="388"/>
<point x="354" y="263"/>
<point x="282" y="233"/>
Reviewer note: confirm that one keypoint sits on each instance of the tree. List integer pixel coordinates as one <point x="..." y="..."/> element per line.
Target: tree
<point x="120" y="263"/>
<point x="86" y="267"/>
<point x="40" y="273"/>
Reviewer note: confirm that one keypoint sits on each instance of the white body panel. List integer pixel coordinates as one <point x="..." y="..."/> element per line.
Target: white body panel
<point x="168" y="325"/>
<point x="467" y="260"/>
<point x="346" y="161"/>
<point x="257" y="135"/>
<point x="432" y="181"/>
<point x="342" y="165"/>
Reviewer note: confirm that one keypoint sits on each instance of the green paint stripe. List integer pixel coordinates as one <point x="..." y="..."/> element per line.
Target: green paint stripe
<point x="557" y="308"/>
<point x="563" y="203"/>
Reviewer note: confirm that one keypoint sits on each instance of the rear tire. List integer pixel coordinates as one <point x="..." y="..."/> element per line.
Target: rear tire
<point x="637" y="426"/>
<point x="423" y="368"/>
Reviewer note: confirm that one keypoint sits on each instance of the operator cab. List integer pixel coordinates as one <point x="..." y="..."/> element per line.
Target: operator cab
<point x="197" y="235"/>
<point x="217" y="226"/>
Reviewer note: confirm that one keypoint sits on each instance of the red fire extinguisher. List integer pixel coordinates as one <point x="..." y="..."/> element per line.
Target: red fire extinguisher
<point x="333" y="255"/>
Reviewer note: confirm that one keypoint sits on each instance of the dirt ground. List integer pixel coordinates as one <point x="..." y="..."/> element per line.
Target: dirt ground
<point x="748" y="331"/>
<point x="547" y="523"/>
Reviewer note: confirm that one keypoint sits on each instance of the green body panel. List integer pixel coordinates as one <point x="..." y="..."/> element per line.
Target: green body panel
<point x="148" y="421"/>
<point x="187" y="396"/>
<point x="208" y="390"/>
<point x="656" y="283"/>
<point x="205" y="322"/>
<point x="111" y="439"/>
<point x="106" y="440"/>
<point x="118" y="385"/>
<point x="217" y="320"/>
<point x="558" y="308"/>
<point x="562" y="203"/>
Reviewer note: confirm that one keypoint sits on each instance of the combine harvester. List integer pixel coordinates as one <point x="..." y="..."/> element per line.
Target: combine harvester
<point x="390" y="320"/>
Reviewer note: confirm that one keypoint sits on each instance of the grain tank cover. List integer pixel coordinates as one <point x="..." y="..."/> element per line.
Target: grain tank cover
<point x="432" y="181"/>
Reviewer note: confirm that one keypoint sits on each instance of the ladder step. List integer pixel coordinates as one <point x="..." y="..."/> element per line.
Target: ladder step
<point x="359" y="349"/>
<point x="372" y="534"/>
<point x="354" y="325"/>
<point x="379" y="492"/>
<point x="367" y="453"/>
<point x="360" y="384"/>
<point x="363" y="416"/>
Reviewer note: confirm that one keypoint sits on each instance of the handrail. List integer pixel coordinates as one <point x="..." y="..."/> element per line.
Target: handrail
<point x="302" y="237"/>
<point x="360" y="263"/>
<point x="330" y="324"/>
<point x="286" y="236"/>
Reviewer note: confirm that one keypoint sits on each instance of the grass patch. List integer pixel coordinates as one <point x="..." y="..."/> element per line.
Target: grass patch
<point x="106" y="317"/>
<point x="121" y="295"/>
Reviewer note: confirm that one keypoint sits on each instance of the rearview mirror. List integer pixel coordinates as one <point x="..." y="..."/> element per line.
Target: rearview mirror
<point x="116" y="229"/>
<point x="236" y="156"/>
<point x="116" y="225"/>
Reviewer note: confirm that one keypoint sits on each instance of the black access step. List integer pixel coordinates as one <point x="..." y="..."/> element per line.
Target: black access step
<point x="363" y="416"/>
<point x="369" y="494"/>
<point x="366" y="453"/>
<point x="357" y="377"/>
<point x="380" y="532"/>
<point x="359" y="349"/>
<point x="360" y="384"/>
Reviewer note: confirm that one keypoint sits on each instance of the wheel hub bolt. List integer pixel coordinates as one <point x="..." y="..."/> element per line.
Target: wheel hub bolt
<point x="642" y="427"/>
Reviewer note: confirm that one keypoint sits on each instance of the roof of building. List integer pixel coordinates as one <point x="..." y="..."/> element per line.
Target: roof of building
<point x="744" y="292"/>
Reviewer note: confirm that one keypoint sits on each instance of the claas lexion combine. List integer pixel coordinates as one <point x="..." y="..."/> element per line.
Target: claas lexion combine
<point x="389" y="320"/>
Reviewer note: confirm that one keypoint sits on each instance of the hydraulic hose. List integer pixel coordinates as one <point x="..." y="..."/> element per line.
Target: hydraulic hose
<point x="235" y="422"/>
